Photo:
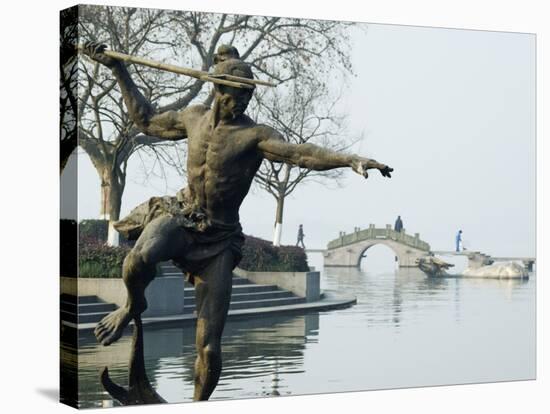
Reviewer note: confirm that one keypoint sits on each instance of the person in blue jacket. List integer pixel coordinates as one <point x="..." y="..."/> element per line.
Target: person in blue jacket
<point x="458" y="240"/>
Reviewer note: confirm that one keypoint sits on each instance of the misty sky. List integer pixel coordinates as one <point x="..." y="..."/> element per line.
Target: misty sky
<point x="453" y="111"/>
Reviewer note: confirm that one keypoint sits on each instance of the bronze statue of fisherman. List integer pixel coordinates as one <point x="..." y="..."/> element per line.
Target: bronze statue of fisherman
<point x="199" y="229"/>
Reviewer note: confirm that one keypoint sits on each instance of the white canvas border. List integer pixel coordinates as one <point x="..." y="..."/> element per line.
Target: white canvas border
<point x="30" y="172"/>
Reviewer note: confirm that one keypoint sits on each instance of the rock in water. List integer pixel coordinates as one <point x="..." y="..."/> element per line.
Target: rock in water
<point x="509" y="270"/>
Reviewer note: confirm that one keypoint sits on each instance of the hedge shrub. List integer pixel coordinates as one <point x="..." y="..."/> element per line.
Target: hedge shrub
<point x="261" y="256"/>
<point x="97" y="230"/>
<point x="93" y="229"/>
<point x="96" y="259"/>
<point x="99" y="260"/>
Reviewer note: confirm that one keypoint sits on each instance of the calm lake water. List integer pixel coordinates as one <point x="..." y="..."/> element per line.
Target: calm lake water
<point x="405" y="331"/>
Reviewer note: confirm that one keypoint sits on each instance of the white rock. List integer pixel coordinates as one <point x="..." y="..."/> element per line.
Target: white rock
<point x="509" y="270"/>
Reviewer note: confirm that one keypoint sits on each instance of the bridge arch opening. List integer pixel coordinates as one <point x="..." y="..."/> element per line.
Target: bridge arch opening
<point x="378" y="258"/>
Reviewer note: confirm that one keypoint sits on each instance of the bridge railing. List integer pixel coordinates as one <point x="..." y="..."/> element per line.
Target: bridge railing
<point x="379" y="233"/>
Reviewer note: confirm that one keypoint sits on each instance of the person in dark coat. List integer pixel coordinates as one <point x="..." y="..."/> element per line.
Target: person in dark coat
<point x="301" y="236"/>
<point x="398" y="224"/>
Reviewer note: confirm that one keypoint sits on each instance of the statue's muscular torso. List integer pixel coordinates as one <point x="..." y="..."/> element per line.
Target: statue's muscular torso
<point x="221" y="162"/>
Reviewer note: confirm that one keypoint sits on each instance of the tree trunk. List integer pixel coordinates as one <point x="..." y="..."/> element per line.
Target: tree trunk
<point x="279" y="220"/>
<point x="113" y="181"/>
<point x="67" y="147"/>
<point x="115" y="198"/>
<point x="105" y="201"/>
<point x="112" y="188"/>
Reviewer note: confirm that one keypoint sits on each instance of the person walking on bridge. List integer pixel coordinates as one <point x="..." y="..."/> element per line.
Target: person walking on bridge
<point x="458" y="240"/>
<point x="398" y="226"/>
<point x="301" y="236"/>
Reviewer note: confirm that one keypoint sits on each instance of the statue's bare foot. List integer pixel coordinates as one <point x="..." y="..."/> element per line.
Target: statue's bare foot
<point x="110" y="328"/>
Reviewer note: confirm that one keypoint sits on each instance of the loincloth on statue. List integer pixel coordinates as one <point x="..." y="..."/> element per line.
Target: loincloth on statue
<point x="204" y="246"/>
<point x="204" y="238"/>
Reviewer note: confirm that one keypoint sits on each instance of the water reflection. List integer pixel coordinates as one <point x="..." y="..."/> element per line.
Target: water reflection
<point x="376" y="291"/>
<point x="406" y="330"/>
<point x="69" y="367"/>
<point x="388" y="291"/>
<point x="256" y="349"/>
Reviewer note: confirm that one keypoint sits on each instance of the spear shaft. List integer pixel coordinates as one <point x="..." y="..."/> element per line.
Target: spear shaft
<point x="228" y="80"/>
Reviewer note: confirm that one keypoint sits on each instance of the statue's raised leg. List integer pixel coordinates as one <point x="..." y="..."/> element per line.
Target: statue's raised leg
<point x="161" y="240"/>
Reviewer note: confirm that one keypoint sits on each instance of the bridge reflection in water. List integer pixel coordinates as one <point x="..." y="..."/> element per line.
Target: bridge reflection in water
<point x="406" y="330"/>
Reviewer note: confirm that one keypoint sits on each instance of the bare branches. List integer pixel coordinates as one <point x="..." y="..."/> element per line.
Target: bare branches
<point x="68" y="84"/>
<point x="109" y="136"/>
<point x="279" y="49"/>
<point x="304" y="112"/>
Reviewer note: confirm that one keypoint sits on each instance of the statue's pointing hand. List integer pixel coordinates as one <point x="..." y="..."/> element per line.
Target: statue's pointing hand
<point x="386" y="171"/>
<point x="361" y="165"/>
<point x="95" y="51"/>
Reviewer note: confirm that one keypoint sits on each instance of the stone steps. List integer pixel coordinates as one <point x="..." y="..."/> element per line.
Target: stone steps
<point x="85" y="309"/>
<point x="189" y="290"/>
<point x="81" y="299"/>
<point x="295" y="300"/>
<point x="91" y="317"/>
<point x="244" y="295"/>
<point x="168" y="269"/>
<point x="248" y="296"/>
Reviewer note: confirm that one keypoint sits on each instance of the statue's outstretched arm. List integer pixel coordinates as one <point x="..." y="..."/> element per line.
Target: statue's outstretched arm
<point x="313" y="157"/>
<point x="168" y="125"/>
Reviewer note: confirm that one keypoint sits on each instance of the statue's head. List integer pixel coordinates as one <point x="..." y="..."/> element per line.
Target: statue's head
<point x="231" y="101"/>
<point x="226" y="52"/>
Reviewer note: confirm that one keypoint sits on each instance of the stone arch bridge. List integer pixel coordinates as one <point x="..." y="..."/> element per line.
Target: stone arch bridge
<point x="348" y="249"/>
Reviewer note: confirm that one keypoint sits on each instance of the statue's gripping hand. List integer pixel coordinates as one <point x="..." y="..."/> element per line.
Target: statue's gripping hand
<point x="95" y="51"/>
<point x="361" y="165"/>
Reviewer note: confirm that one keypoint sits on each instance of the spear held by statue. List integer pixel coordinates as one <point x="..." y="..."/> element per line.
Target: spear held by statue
<point x="228" y="80"/>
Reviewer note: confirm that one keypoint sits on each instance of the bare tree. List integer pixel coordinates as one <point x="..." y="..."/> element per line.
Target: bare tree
<point x="279" y="49"/>
<point x="107" y="134"/>
<point x="68" y="76"/>
<point x="304" y="113"/>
